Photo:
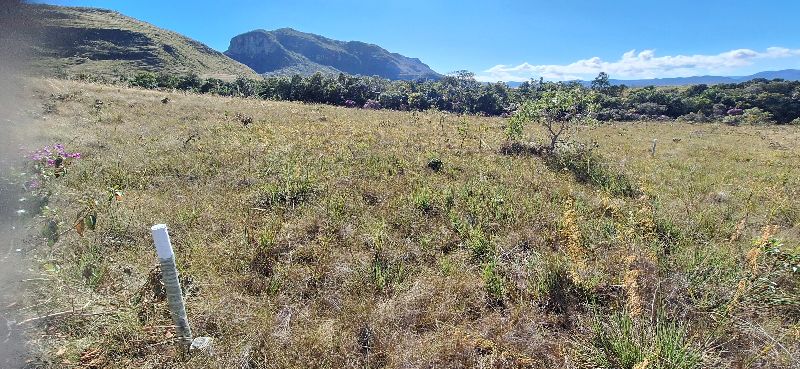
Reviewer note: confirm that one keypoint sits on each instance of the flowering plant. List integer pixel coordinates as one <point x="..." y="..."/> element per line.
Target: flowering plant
<point x="53" y="156"/>
<point x="50" y="161"/>
<point x="372" y="104"/>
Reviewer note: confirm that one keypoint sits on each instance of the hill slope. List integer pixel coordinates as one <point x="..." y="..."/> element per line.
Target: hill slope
<point x="287" y="51"/>
<point x="103" y="42"/>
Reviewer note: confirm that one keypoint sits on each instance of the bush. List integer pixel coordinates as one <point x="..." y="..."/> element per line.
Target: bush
<point x="145" y="80"/>
<point x="616" y="114"/>
<point x="649" y="108"/>
<point x="372" y="105"/>
<point x="392" y="99"/>
<point x="694" y="117"/>
<point x="795" y="122"/>
<point x="558" y="111"/>
<point x="416" y="101"/>
<point x="589" y="167"/>
<point x="733" y="120"/>
<point x="756" y="116"/>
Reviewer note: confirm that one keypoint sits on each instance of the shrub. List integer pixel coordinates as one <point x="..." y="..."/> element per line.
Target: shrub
<point x="756" y="116"/>
<point x="557" y="111"/>
<point x="650" y="108"/>
<point x="733" y="120"/>
<point x="795" y="122"/>
<point x="392" y="99"/>
<point x="589" y="167"/>
<point x="694" y="117"/>
<point x="416" y="101"/>
<point x="772" y="282"/>
<point x="145" y="80"/>
<point x="372" y="105"/>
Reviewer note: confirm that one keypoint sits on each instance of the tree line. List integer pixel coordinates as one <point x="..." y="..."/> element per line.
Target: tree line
<point x="760" y="100"/>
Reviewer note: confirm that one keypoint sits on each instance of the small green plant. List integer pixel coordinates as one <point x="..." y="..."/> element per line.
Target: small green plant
<point x="621" y="342"/>
<point x="91" y="266"/>
<point x="479" y="244"/>
<point x="386" y="274"/>
<point x="493" y="281"/>
<point x="293" y="188"/>
<point x="423" y="200"/>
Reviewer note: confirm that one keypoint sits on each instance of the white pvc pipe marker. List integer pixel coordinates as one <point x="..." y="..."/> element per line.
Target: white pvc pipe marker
<point x="169" y="275"/>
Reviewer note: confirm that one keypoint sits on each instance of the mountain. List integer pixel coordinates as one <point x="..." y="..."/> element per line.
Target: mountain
<point x="75" y="40"/>
<point x="787" y="74"/>
<point x="286" y="51"/>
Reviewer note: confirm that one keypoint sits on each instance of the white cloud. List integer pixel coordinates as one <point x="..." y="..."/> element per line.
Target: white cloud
<point x="633" y="65"/>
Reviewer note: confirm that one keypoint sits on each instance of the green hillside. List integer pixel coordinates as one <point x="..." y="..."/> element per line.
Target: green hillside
<point x="103" y="42"/>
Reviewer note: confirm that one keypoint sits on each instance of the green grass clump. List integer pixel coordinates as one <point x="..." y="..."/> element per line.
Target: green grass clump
<point x="621" y="342"/>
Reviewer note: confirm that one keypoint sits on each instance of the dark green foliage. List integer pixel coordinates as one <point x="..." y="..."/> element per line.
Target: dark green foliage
<point x="145" y="80"/>
<point x="776" y="101"/>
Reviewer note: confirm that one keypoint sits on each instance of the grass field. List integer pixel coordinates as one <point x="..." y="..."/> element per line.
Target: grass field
<point x="319" y="236"/>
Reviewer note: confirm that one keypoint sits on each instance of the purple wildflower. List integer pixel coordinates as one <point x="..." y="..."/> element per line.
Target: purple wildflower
<point x="74" y="155"/>
<point x="372" y="104"/>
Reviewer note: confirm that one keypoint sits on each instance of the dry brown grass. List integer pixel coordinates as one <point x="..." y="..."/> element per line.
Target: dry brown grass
<point x="318" y="236"/>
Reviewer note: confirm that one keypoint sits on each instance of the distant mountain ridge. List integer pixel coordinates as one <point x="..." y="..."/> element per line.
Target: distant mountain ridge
<point x="287" y="51"/>
<point x="787" y="74"/>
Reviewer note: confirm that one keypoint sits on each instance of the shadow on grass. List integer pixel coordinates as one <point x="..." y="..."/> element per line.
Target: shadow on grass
<point x="586" y="165"/>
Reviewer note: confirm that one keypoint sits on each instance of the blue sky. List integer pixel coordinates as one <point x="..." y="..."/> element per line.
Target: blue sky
<point x="516" y="40"/>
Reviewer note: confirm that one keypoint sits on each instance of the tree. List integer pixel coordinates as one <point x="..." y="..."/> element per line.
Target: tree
<point x="601" y="83"/>
<point x="190" y="82"/>
<point x="145" y="80"/>
<point x="557" y="110"/>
